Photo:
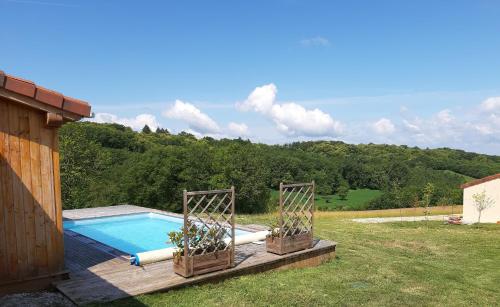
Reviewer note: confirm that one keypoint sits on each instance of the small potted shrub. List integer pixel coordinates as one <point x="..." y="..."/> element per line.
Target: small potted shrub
<point x="207" y="247"/>
<point x="297" y="238"/>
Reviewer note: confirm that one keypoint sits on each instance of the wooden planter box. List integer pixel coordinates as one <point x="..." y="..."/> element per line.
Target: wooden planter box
<point x="201" y="264"/>
<point x="289" y="244"/>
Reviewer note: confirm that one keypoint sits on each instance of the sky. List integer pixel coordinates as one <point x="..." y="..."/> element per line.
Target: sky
<point x="421" y="73"/>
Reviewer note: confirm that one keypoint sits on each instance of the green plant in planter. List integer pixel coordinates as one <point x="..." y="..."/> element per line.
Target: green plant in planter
<point x="295" y="228"/>
<point x="275" y="227"/>
<point x="208" y="239"/>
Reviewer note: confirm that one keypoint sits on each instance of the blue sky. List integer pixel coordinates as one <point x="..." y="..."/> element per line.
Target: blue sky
<point x="425" y="73"/>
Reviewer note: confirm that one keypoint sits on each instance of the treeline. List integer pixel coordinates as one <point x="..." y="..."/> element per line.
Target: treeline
<point x="107" y="164"/>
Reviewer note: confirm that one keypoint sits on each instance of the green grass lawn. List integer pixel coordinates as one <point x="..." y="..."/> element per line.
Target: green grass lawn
<point x="356" y="200"/>
<point x="413" y="263"/>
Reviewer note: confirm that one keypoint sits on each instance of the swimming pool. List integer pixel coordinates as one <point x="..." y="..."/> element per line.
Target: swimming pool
<point x="132" y="234"/>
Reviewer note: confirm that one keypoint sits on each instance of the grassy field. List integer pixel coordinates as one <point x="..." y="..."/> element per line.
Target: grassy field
<point x="356" y="200"/>
<point x="412" y="263"/>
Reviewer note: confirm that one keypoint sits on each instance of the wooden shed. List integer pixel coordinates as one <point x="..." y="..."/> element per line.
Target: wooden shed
<point x="31" y="229"/>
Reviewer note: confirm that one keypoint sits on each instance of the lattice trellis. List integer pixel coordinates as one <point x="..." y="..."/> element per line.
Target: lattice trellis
<point x="296" y="208"/>
<point x="209" y="222"/>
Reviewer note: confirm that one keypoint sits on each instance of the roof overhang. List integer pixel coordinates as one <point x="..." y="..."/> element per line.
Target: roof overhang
<point x="59" y="108"/>
<point x="479" y="181"/>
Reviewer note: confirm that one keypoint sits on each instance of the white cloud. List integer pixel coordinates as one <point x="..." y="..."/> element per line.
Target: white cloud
<point x="384" y="126"/>
<point x="260" y="100"/>
<point x="468" y="129"/>
<point x="483" y="129"/>
<point x="290" y="118"/>
<point x="491" y="104"/>
<point x="195" y="133"/>
<point x="294" y="119"/>
<point x="474" y="126"/>
<point x="315" y="41"/>
<point x="136" y="123"/>
<point x="445" y="116"/>
<point x="238" y="129"/>
<point x="411" y="126"/>
<point x="439" y="129"/>
<point x="197" y="120"/>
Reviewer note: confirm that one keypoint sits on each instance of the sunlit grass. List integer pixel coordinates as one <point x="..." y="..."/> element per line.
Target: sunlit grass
<point x="439" y="210"/>
<point x="411" y="263"/>
<point x="356" y="200"/>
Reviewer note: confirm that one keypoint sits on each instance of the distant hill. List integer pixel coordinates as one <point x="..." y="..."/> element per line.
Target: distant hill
<point x="106" y="164"/>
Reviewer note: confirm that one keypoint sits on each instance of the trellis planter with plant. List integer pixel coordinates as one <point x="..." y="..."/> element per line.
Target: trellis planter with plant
<point x="293" y="231"/>
<point x="209" y="232"/>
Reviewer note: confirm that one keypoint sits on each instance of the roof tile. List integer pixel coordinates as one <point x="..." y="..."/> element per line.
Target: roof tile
<point x="49" y="97"/>
<point x="76" y="106"/>
<point x="43" y="95"/>
<point x="2" y="78"/>
<point x="20" y="86"/>
<point x="479" y="181"/>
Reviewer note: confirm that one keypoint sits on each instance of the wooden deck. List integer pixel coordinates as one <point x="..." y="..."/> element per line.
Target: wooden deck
<point x="99" y="274"/>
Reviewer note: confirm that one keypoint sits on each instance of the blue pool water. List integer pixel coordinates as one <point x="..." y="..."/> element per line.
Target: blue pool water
<point x="132" y="233"/>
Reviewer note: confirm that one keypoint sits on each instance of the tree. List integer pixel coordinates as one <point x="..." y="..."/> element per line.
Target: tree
<point x="353" y="171"/>
<point x="322" y="185"/>
<point x="162" y="131"/>
<point x="343" y="190"/>
<point x="481" y="203"/>
<point x="146" y="129"/>
<point x="398" y="173"/>
<point x="415" y="203"/>
<point x="82" y="161"/>
<point x="396" y="191"/>
<point x="106" y="164"/>
<point x="427" y="192"/>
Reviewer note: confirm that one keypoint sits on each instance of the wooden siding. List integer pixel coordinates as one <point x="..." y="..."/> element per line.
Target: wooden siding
<point x="31" y="235"/>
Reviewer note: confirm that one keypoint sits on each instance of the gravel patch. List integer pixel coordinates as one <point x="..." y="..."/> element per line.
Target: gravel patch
<point x="36" y="299"/>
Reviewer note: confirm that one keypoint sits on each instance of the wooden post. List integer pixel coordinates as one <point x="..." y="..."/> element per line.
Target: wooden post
<point x="281" y="211"/>
<point x="233" y="231"/>
<point x="312" y="208"/>
<point x="184" y="229"/>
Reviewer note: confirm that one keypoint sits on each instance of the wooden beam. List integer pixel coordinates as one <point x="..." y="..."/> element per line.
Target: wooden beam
<point x="306" y="184"/>
<point x="30" y="102"/>
<point x="33" y="284"/>
<point x="54" y="120"/>
<point x="208" y="192"/>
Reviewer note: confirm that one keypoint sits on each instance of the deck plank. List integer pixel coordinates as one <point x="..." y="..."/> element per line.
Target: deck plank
<point x="114" y="279"/>
<point x="97" y="275"/>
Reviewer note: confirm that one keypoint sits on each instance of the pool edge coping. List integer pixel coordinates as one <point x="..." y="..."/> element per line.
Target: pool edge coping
<point x="138" y="210"/>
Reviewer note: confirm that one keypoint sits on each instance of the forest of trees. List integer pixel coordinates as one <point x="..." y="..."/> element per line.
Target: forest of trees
<point x="108" y="164"/>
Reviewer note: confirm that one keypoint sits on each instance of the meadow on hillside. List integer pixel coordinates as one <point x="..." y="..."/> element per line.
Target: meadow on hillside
<point x="355" y="200"/>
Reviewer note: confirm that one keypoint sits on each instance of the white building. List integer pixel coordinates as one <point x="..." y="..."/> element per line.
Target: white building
<point x="491" y="185"/>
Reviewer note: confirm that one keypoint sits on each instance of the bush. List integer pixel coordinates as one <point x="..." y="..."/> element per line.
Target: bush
<point x="343" y="191"/>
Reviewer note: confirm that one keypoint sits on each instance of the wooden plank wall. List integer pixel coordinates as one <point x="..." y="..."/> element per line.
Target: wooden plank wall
<point x="31" y="234"/>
